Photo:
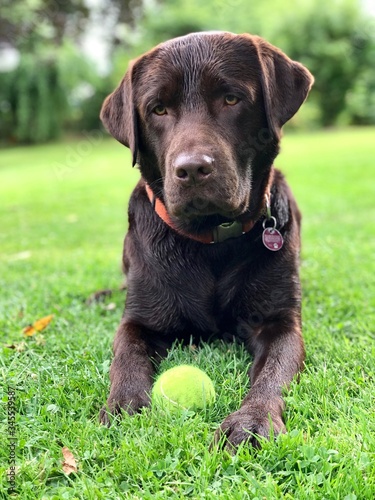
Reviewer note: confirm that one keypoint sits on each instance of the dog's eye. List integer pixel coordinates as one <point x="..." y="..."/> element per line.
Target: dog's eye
<point x="231" y="100"/>
<point x="160" y="110"/>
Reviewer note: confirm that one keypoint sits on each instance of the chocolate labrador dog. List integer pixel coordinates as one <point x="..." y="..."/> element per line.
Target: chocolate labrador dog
<point x="214" y="231"/>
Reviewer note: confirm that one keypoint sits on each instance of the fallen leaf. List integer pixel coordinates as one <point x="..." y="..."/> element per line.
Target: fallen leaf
<point x="69" y="465"/>
<point x="29" y="330"/>
<point x="40" y="339"/>
<point x="38" y="326"/>
<point x="98" y="296"/>
<point x="19" y="346"/>
<point x="110" y="307"/>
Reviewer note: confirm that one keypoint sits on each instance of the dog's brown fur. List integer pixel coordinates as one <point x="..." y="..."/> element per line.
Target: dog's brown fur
<point x="202" y="115"/>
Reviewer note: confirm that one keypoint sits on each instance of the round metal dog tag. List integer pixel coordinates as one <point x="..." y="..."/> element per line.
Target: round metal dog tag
<point x="272" y="239"/>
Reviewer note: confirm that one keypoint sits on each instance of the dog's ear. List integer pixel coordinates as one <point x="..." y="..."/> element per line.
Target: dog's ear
<point x="285" y="84"/>
<point x="119" y="115"/>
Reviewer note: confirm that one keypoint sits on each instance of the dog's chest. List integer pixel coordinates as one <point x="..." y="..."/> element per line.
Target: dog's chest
<point x="182" y="295"/>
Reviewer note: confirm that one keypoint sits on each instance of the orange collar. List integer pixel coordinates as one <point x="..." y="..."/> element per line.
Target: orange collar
<point x="217" y="235"/>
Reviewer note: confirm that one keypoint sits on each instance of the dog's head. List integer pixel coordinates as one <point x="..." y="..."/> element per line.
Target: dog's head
<point x="202" y="115"/>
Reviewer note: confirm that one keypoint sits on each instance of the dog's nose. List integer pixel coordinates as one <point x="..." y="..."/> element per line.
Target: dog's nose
<point x="193" y="169"/>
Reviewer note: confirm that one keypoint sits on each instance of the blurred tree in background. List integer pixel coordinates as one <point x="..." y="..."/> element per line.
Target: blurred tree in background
<point x="34" y="96"/>
<point x="335" y="42"/>
<point x="62" y="74"/>
<point x="53" y="84"/>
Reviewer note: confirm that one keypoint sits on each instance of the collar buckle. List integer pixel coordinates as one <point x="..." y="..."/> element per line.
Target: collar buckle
<point x="226" y="231"/>
<point x="220" y="233"/>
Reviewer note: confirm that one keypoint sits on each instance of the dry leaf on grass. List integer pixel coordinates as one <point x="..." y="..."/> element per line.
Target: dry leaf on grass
<point x="40" y="339"/>
<point x="69" y="465"/>
<point x="110" y="307"/>
<point x="18" y="346"/>
<point x="38" y="326"/>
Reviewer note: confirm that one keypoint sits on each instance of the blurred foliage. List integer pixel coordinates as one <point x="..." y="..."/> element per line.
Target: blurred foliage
<point x="361" y="98"/>
<point x="55" y="87"/>
<point x="36" y="100"/>
<point x="335" y="41"/>
<point x="27" y="23"/>
<point x="44" y="94"/>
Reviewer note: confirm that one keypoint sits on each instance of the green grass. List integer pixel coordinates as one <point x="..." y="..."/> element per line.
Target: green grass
<point x="61" y="231"/>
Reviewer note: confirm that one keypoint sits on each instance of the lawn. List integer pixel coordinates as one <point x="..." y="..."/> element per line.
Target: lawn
<point x="62" y="221"/>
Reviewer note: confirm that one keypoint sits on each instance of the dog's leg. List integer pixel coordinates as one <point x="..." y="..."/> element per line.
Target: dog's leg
<point x="278" y="356"/>
<point x="131" y="371"/>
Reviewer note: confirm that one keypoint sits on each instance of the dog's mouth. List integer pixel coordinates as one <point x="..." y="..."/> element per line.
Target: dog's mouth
<point x="199" y="208"/>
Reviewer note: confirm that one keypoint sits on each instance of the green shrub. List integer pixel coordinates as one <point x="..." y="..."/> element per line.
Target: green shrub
<point x="41" y="97"/>
<point x="34" y="100"/>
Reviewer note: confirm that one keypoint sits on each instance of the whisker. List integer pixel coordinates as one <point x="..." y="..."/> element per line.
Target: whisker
<point x="155" y="186"/>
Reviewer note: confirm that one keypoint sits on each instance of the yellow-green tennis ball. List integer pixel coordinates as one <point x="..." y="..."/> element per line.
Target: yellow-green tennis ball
<point x="184" y="386"/>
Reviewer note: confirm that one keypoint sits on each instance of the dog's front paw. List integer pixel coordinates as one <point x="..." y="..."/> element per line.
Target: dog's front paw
<point x="122" y="403"/>
<point x="247" y="425"/>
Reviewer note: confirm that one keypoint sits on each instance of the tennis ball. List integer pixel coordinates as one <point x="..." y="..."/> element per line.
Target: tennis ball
<point x="184" y="386"/>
